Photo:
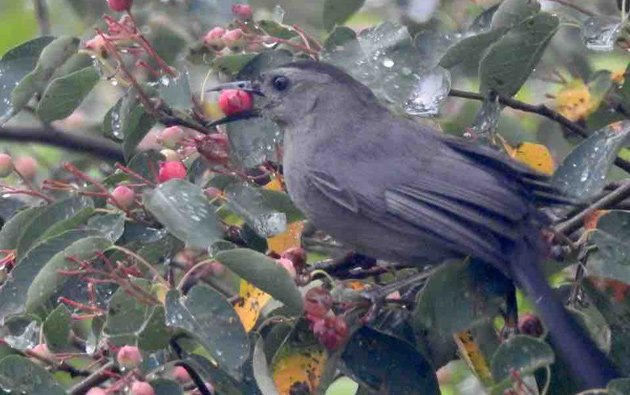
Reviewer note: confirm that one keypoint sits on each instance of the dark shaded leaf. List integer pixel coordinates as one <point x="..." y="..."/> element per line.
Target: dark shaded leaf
<point x="232" y="64"/>
<point x="56" y="329"/>
<point x="523" y="354"/>
<point x="135" y="125"/>
<point x="264" y="273"/>
<point x="166" y="387"/>
<point x="618" y="387"/>
<point x="21" y="376"/>
<point x="512" y="12"/>
<point x="388" y="365"/>
<point x="65" y="94"/>
<point x="612" y="238"/>
<point x="185" y="211"/>
<point x="583" y="172"/>
<point x="470" y="48"/>
<point x="281" y="202"/>
<point x="337" y="12"/>
<point x="13" y="228"/>
<point x="209" y="318"/>
<point x="340" y="36"/>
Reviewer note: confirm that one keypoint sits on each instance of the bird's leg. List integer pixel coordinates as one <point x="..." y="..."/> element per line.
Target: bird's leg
<point x="511" y="314"/>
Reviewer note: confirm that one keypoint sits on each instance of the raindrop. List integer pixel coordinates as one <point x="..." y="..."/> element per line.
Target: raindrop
<point x="387" y="62"/>
<point x="601" y="33"/>
<point x="278" y="14"/>
<point x="429" y="92"/>
<point x="486" y="120"/>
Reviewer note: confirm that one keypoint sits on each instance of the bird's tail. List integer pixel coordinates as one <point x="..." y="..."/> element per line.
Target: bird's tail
<point x="588" y="364"/>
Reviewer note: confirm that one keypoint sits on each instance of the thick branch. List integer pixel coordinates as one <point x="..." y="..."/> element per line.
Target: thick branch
<point x="541" y="110"/>
<point x="101" y="375"/>
<point x="46" y="135"/>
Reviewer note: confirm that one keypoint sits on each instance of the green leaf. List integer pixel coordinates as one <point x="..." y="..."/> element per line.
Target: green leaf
<point x="249" y="203"/>
<point x="153" y="336"/>
<point x="253" y="141"/>
<point x="281" y="202"/>
<point x="21" y="376"/>
<point x="49" y="279"/>
<point x="380" y="361"/>
<point x="262" y="62"/>
<point x="53" y="56"/>
<point x="50" y="218"/>
<point x="209" y="318"/>
<point x="624" y="92"/>
<point x="340" y="36"/>
<point x="512" y="12"/>
<point x="13" y="293"/>
<point x="111" y="226"/>
<point x="264" y="273"/>
<point x="14" y="65"/>
<point x="13" y="228"/>
<point x="583" y="172"/>
<point x="509" y="62"/>
<point x="521" y="354"/>
<point x="56" y="329"/>
<point x="337" y="12"/>
<point x="612" y="238"/>
<point x="261" y="370"/>
<point x="65" y="94"/>
<point x="232" y="64"/>
<point x="470" y="48"/>
<point x="166" y="387"/>
<point x="135" y="125"/>
<point x="458" y="296"/>
<point x="185" y="212"/>
<point x="275" y="29"/>
<point x="176" y="92"/>
<point x="618" y="387"/>
<point x="67" y="224"/>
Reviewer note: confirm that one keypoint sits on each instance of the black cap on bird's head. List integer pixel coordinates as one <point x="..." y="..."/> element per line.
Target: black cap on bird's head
<point x="293" y="90"/>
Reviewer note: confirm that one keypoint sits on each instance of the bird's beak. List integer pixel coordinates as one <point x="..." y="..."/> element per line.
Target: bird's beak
<point x="247" y="86"/>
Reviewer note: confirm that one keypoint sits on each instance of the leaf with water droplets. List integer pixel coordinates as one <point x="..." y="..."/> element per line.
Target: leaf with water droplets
<point x="21" y="376"/>
<point x="264" y="273"/>
<point x="56" y="329"/>
<point x="13" y="228"/>
<point x="135" y="125"/>
<point x="509" y="62"/>
<point x="583" y="172"/>
<point x="428" y="92"/>
<point x="175" y="91"/>
<point x="250" y="204"/>
<point x="253" y="141"/>
<point x="337" y="12"/>
<point x="521" y="354"/>
<point x="512" y="12"/>
<point x="611" y="259"/>
<point x="232" y="64"/>
<point x="185" y="211"/>
<point x="209" y="318"/>
<point x="600" y="33"/>
<point x="65" y="94"/>
<point x="470" y="48"/>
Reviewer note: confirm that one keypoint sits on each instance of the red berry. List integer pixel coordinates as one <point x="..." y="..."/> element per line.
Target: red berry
<point x="129" y="357"/>
<point x="242" y="11"/>
<point x="171" y="136"/>
<point x="26" y="166"/>
<point x="317" y="302"/>
<point x="234" y="101"/>
<point x="213" y="38"/>
<point x="234" y="40"/>
<point x="171" y="170"/>
<point x="96" y="391"/>
<point x="119" y="5"/>
<point x="297" y="255"/>
<point x="180" y="374"/>
<point x="141" y="388"/>
<point x="331" y="331"/>
<point x="288" y="265"/>
<point x="6" y="165"/>
<point x="529" y="324"/>
<point x="123" y="196"/>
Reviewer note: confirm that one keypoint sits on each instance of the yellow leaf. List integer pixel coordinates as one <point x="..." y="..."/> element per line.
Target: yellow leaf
<point x="288" y="239"/>
<point x="298" y="366"/>
<point x="211" y="110"/>
<point x="536" y="156"/>
<point x="470" y="352"/>
<point x="575" y="101"/>
<point x="252" y="302"/>
<point x="274" y="185"/>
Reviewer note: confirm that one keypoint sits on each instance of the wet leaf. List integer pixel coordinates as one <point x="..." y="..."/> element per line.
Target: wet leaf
<point x="232" y="64"/>
<point x="261" y="370"/>
<point x="111" y="226"/>
<point x="599" y="33"/>
<point x="509" y="62"/>
<point x="166" y="387"/>
<point x="289" y="239"/>
<point x="583" y="172"/>
<point x="470" y="48"/>
<point x="512" y="12"/>
<point x="264" y="273"/>
<point x="56" y="329"/>
<point x="253" y="141"/>
<point x="612" y="238"/>
<point x="13" y="228"/>
<point x="252" y="301"/>
<point x="337" y="12"/>
<point x="385" y="363"/>
<point x="210" y="319"/>
<point x="185" y="211"/>
<point x="135" y="126"/>
<point x="176" y="91"/>
<point x="298" y="365"/>
<point x="522" y="354"/>
<point x="249" y="203"/>
<point x="65" y="94"/>
<point x="21" y="376"/>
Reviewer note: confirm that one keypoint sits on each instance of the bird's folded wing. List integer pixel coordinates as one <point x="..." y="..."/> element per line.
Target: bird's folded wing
<point x="327" y="184"/>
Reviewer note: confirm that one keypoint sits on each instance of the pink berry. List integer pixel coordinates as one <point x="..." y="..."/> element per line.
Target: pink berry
<point x="234" y="101"/>
<point x="119" y="5"/>
<point x="234" y="40"/>
<point x="6" y="165"/>
<point x="26" y="166"/>
<point x="141" y="388"/>
<point x="288" y="265"/>
<point x="96" y="391"/>
<point x="242" y="11"/>
<point x="129" y="357"/>
<point x="42" y="350"/>
<point x="217" y="269"/>
<point x="171" y="136"/>
<point x="331" y="331"/>
<point x="180" y="374"/>
<point x="96" y="45"/>
<point x="213" y="38"/>
<point x="317" y="303"/>
<point x="171" y="170"/>
<point x="124" y="196"/>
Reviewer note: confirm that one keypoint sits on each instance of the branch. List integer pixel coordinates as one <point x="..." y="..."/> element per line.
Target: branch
<point x="615" y="197"/>
<point x="101" y="375"/>
<point x="541" y="110"/>
<point x="47" y="135"/>
<point x="43" y="20"/>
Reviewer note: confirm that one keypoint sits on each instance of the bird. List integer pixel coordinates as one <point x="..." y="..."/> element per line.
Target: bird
<point x="394" y="189"/>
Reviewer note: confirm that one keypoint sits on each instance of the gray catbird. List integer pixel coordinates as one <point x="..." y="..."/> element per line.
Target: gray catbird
<point x="394" y="189"/>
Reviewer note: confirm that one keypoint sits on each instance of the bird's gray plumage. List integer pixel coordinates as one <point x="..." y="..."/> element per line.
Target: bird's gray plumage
<point x="394" y="189"/>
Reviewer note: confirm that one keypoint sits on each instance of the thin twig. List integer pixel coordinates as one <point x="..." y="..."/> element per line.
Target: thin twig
<point x="100" y="376"/>
<point x="541" y="110"/>
<point x="43" y="20"/>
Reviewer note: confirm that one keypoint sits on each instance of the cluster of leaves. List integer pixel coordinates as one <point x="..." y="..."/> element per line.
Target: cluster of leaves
<point x="207" y="270"/>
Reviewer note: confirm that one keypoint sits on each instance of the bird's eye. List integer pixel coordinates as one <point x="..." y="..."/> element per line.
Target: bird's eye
<point x="280" y="83"/>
